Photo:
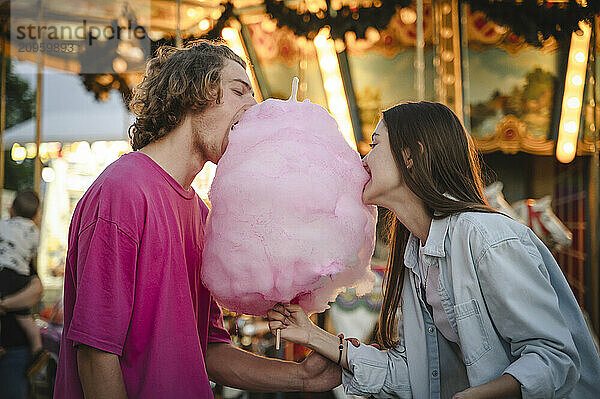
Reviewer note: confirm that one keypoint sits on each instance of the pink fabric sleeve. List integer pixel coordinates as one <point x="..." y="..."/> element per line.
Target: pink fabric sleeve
<point x="106" y="265"/>
<point x="216" y="331"/>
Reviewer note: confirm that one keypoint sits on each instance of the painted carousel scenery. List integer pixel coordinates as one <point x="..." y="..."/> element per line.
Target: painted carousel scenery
<point x="520" y="84"/>
<point x="199" y="197"/>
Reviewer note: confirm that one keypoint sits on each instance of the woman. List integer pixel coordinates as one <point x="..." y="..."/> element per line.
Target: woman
<point x="485" y="309"/>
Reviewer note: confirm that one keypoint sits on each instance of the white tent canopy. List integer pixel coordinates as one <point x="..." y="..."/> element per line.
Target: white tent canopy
<point x="85" y="120"/>
<point x="104" y="124"/>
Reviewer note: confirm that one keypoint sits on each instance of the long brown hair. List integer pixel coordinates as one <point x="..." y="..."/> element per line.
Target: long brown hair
<point x="445" y="164"/>
<point x="177" y="80"/>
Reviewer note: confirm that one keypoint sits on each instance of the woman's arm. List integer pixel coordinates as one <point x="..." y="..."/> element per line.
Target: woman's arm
<point x="524" y="308"/>
<point x="298" y="328"/>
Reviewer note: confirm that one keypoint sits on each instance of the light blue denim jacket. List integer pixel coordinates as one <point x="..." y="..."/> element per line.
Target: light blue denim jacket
<point x="509" y="303"/>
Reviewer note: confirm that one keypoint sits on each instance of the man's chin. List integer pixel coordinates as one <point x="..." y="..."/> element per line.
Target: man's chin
<point x="224" y="144"/>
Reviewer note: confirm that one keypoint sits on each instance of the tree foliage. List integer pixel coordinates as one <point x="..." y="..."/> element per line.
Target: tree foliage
<point x="20" y="106"/>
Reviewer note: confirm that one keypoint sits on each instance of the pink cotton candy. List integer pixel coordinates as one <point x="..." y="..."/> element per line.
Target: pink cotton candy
<point x="287" y="222"/>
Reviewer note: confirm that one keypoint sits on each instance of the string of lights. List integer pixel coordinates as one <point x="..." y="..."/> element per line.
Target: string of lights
<point x="535" y="20"/>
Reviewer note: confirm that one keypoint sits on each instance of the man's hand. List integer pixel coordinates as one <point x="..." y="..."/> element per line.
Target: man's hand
<point x="506" y="387"/>
<point x="319" y="374"/>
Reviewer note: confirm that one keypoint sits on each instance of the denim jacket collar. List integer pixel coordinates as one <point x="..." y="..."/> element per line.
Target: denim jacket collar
<point x="434" y="245"/>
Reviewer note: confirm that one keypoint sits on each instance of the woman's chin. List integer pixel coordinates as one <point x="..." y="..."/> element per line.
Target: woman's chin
<point x="366" y="198"/>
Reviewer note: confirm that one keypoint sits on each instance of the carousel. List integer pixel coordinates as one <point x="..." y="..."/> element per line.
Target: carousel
<point x="521" y="74"/>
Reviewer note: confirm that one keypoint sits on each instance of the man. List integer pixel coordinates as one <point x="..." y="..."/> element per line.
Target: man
<point x="138" y="320"/>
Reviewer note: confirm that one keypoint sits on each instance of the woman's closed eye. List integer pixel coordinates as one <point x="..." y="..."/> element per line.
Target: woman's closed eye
<point x="372" y="145"/>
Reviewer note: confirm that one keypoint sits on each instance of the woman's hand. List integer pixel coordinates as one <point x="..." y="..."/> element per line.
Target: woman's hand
<point x="294" y="323"/>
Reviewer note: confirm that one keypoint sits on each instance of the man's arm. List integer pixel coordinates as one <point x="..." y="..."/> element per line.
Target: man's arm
<point x="100" y="374"/>
<point x="505" y="386"/>
<point x="233" y="367"/>
<point x="26" y="298"/>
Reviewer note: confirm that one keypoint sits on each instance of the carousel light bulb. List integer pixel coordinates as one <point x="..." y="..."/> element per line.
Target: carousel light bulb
<point x="191" y="12"/>
<point x="350" y="37"/>
<point x="448" y="79"/>
<point x="328" y="63"/>
<point x="580" y="56"/>
<point x="205" y="24"/>
<point x="313" y="7"/>
<point x="568" y="148"/>
<point x="501" y="29"/>
<point x="573" y="102"/>
<point x="408" y="16"/>
<point x="123" y="47"/>
<point x="48" y="174"/>
<point x="446" y="33"/>
<point x="44" y="152"/>
<point x="269" y="25"/>
<point x="228" y="34"/>
<point x="321" y="41"/>
<point x="372" y="35"/>
<point x="447" y="56"/>
<point x="577" y="80"/>
<point x="333" y="84"/>
<point x="571" y="127"/>
<point x="18" y="153"/>
<point x="340" y="45"/>
<point x="119" y="65"/>
<point x="31" y="150"/>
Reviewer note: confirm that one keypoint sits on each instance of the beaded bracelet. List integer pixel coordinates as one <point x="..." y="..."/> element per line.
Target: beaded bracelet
<point x="341" y="348"/>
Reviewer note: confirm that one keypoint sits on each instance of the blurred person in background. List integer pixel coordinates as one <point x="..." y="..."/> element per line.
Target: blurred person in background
<point x="19" y="241"/>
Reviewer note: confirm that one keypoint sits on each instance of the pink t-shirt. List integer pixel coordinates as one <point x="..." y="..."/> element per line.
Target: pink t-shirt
<point x="132" y="283"/>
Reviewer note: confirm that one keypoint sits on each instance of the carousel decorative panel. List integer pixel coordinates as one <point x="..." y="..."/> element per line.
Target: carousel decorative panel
<point x="390" y="53"/>
<point x="281" y="55"/>
<point x="512" y="89"/>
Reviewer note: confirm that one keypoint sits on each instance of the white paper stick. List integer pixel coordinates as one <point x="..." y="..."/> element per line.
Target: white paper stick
<point x="278" y="339"/>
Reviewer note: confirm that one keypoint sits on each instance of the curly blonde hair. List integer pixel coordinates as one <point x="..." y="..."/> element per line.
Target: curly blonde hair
<point x="176" y="81"/>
